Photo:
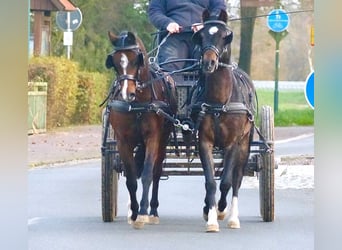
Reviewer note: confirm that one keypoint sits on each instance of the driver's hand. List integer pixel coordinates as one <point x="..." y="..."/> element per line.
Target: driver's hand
<point x="196" y="27"/>
<point x="173" y="28"/>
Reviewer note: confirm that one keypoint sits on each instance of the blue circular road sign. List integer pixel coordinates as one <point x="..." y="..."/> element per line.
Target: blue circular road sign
<point x="309" y="89"/>
<point x="69" y="20"/>
<point x="278" y="20"/>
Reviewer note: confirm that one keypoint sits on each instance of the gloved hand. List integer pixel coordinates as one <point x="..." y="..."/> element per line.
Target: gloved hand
<point x="173" y="28"/>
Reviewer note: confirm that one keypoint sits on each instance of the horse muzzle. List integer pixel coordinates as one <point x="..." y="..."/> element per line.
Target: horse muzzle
<point x="210" y="59"/>
<point x="209" y="66"/>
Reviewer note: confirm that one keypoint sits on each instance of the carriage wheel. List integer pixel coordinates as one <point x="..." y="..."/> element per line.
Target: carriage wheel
<point x="109" y="176"/>
<point x="266" y="175"/>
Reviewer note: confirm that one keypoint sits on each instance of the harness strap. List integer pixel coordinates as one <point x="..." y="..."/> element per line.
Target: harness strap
<point x="232" y="107"/>
<point x="122" y="106"/>
<point x="127" y="77"/>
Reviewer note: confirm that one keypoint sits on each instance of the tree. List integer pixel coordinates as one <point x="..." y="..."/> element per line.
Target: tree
<point x="247" y="30"/>
<point x="90" y="42"/>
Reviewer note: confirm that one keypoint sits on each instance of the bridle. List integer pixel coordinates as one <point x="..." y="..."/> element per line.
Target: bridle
<point x="140" y="63"/>
<point x="211" y="47"/>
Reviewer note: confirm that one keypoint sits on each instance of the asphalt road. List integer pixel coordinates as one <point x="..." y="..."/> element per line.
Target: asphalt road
<point x="65" y="213"/>
<point x="64" y="210"/>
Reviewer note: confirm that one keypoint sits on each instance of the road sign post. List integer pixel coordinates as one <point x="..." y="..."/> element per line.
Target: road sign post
<point x="278" y="22"/>
<point x="68" y="21"/>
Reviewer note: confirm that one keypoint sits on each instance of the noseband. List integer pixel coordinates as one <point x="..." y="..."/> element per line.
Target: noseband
<point x="212" y="48"/>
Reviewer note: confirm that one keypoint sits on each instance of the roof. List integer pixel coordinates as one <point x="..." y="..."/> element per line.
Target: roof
<point x="52" y="5"/>
<point x="65" y="5"/>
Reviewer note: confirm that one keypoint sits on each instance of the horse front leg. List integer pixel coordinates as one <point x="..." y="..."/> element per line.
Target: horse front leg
<point x="131" y="181"/>
<point x="226" y="183"/>
<point x="146" y="180"/>
<point x="209" y="210"/>
<point x="241" y="159"/>
<point x="157" y="171"/>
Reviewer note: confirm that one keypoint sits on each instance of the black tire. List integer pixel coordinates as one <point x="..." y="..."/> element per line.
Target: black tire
<point x="109" y="178"/>
<point x="266" y="175"/>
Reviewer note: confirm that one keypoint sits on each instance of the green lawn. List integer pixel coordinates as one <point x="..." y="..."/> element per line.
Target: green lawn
<point x="293" y="110"/>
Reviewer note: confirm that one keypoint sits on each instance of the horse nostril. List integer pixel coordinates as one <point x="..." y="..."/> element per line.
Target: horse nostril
<point x="131" y="96"/>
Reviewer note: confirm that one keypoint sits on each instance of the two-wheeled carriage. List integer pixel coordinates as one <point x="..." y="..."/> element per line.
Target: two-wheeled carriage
<point x="182" y="150"/>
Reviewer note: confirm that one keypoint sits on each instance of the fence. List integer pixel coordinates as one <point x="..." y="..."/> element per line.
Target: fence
<point x="37" y="106"/>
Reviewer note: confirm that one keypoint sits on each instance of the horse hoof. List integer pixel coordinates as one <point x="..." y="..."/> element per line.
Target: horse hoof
<point x="234" y="224"/>
<point x="205" y="217"/>
<point x="212" y="228"/>
<point x="143" y="218"/>
<point x="129" y="220"/>
<point x="221" y="215"/>
<point x="140" y="221"/>
<point x="154" y="220"/>
<point x="138" y="224"/>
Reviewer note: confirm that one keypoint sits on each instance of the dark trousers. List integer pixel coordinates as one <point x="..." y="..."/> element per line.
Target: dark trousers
<point x="177" y="46"/>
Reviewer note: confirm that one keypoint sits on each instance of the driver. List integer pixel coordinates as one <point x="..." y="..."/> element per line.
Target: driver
<point x="180" y="19"/>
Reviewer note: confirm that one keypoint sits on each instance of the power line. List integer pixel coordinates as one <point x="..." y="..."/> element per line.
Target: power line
<point x="265" y="15"/>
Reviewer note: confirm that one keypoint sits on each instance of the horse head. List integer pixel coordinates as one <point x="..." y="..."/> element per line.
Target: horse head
<point x="214" y="39"/>
<point x="128" y="61"/>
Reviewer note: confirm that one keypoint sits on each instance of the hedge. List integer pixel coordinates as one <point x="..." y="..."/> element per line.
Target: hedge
<point x="73" y="95"/>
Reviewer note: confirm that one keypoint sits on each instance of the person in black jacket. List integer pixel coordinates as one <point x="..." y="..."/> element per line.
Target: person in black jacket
<point x="179" y="18"/>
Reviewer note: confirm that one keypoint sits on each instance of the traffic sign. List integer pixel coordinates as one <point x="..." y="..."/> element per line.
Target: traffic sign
<point x="278" y="20"/>
<point x="309" y="89"/>
<point x="67" y="38"/>
<point x="69" y="20"/>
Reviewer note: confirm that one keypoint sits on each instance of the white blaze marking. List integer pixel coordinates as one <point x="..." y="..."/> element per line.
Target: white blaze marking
<point x="124" y="64"/>
<point x="213" y="30"/>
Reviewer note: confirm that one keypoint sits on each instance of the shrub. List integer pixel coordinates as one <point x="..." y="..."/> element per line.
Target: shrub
<point x="92" y="90"/>
<point x="72" y="96"/>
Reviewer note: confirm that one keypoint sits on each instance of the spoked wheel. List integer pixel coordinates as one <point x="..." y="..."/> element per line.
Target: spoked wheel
<point x="109" y="175"/>
<point x="266" y="175"/>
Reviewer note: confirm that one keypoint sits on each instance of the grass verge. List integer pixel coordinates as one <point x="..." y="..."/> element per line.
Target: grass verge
<point x="293" y="109"/>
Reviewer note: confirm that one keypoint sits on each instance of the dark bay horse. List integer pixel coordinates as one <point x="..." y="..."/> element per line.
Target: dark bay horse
<point x="223" y="111"/>
<point x="139" y="97"/>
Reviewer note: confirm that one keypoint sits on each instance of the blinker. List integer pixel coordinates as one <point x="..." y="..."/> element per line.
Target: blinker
<point x="109" y="61"/>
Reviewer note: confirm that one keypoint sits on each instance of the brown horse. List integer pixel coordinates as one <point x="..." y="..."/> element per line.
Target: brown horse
<point x="224" y="112"/>
<point x="139" y="98"/>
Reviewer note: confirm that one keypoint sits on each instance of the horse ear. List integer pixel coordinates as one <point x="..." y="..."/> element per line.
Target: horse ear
<point x="223" y="16"/>
<point x="112" y="37"/>
<point x="205" y="15"/>
<point x="130" y="39"/>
